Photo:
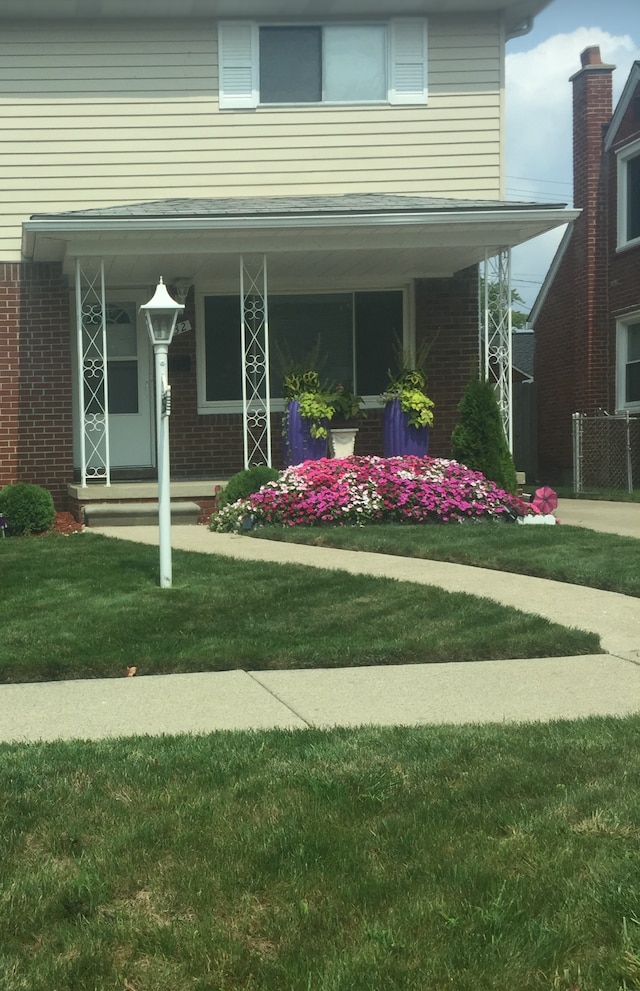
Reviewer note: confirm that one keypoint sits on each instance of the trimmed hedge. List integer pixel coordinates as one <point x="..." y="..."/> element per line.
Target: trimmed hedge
<point x="26" y="508"/>
<point x="245" y="483"/>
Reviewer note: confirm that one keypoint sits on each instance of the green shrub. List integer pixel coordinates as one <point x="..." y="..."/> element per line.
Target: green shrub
<point x="26" y="508"/>
<point x="478" y="441"/>
<point x="245" y="483"/>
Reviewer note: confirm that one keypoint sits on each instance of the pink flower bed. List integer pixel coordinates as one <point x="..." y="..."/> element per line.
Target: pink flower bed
<point x="364" y="490"/>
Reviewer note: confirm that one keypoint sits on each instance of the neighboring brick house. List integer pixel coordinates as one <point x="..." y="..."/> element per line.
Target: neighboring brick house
<point x="587" y="315"/>
<point x="347" y="172"/>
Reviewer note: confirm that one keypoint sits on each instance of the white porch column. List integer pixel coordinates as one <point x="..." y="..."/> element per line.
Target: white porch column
<point x="93" y="383"/>
<point x="254" y="329"/>
<point x="495" y="332"/>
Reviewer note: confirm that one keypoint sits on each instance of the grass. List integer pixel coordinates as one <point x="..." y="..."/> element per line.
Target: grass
<point x="424" y="859"/>
<point x="85" y="606"/>
<point x="609" y="495"/>
<point x="564" y="553"/>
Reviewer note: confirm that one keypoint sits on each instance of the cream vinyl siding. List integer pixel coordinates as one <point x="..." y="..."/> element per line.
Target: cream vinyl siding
<point x="98" y="115"/>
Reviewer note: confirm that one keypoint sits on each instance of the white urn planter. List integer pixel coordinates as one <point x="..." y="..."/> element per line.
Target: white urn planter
<point x="342" y="442"/>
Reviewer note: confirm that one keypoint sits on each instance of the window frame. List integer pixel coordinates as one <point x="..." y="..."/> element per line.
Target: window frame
<point x="622" y="346"/>
<point x="239" y="63"/>
<point x="322" y="29"/>
<point x="624" y="156"/>
<point x="277" y="403"/>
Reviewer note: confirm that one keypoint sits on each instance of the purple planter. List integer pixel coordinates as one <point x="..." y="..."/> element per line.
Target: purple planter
<point x="398" y="437"/>
<point x="299" y="445"/>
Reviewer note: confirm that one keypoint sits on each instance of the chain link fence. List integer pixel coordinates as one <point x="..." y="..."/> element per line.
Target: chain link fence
<point x="606" y="452"/>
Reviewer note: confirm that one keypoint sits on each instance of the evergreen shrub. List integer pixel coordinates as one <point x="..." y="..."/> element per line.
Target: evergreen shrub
<point x="26" y="508"/>
<point x="245" y="483"/>
<point x="478" y="441"/>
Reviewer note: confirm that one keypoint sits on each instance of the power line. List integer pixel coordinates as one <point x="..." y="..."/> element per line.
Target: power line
<point x="547" y="182"/>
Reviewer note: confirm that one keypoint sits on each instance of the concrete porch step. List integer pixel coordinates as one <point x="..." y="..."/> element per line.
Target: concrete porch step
<point x="138" y="513"/>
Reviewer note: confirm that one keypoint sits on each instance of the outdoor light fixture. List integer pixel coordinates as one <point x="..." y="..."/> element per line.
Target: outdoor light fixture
<point x="161" y="315"/>
<point x="180" y="287"/>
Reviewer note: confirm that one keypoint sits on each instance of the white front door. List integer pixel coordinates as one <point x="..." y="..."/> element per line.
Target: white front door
<point x="130" y="387"/>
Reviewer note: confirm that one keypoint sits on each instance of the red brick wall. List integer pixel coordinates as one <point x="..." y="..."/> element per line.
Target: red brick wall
<point x="35" y="395"/>
<point x="573" y="338"/>
<point x="554" y="372"/>
<point x="9" y="371"/>
<point x="447" y="316"/>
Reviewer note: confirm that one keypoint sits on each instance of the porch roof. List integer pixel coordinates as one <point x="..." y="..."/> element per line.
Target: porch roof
<point x="354" y="239"/>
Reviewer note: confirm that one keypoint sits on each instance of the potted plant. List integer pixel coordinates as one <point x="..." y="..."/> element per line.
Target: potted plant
<point x="307" y="414"/>
<point x="347" y="408"/>
<point x="408" y="414"/>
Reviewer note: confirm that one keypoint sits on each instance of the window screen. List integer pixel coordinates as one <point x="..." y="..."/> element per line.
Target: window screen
<point x="290" y="65"/>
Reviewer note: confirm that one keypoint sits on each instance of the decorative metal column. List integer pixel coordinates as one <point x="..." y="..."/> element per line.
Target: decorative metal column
<point x="254" y="327"/>
<point x="495" y="329"/>
<point x="93" y="384"/>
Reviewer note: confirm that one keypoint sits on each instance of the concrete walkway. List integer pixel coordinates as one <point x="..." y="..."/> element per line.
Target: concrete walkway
<point x="622" y="518"/>
<point x="489" y="691"/>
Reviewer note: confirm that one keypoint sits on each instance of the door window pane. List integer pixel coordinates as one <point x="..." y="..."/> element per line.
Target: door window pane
<point x="354" y="61"/>
<point x="290" y="65"/>
<point x="122" y="340"/>
<point x="123" y="386"/>
<point x="121" y="330"/>
<point x="122" y="358"/>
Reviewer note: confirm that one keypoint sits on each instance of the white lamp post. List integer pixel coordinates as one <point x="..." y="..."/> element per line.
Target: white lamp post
<point x="161" y="314"/>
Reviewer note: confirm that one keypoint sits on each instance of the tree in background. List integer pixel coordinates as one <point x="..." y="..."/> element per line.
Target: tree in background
<point x="518" y="317"/>
<point x="478" y="441"/>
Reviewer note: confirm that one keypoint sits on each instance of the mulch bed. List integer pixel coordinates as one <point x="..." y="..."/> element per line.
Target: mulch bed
<point x="65" y="523"/>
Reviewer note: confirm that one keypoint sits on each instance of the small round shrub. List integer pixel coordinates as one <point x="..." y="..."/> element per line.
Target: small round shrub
<point x="26" y="508"/>
<point x="245" y="483"/>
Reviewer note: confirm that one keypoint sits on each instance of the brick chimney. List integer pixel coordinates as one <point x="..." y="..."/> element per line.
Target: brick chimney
<point x="592" y="112"/>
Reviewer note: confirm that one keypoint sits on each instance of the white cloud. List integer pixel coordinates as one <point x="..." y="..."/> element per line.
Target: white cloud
<point x="539" y="129"/>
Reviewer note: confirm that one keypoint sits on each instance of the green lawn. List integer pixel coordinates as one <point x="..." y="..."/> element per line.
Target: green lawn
<point x="85" y="606"/>
<point x="564" y="553"/>
<point x="472" y="859"/>
<point x="609" y="495"/>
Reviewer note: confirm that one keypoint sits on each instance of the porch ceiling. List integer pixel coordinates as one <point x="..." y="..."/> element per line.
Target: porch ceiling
<point x="312" y="241"/>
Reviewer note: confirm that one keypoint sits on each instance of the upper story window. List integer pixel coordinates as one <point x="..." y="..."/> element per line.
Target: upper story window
<point x="629" y="195"/>
<point x="628" y="354"/>
<point x="633" y="198"/>
<point x="322" y="63"/>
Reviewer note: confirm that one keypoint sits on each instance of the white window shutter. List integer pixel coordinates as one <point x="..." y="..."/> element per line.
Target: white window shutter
<point x="408" y="44"/>
<point x="237" y="64"/>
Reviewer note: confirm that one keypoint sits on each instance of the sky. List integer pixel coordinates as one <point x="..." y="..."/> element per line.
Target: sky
<point x="538" y="117"/>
